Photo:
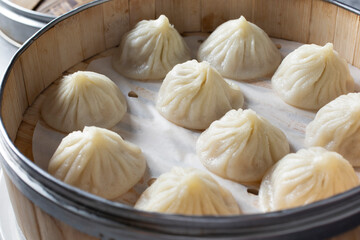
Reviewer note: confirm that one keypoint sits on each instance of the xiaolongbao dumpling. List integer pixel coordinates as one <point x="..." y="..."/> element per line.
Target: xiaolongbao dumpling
<point x="241" y="146"/>
<point x="304" y="177"/>
<point x="150" y="50"/>
<point x="311" y="76"/>
<point x="240" y="50"/>
<point x="336" y="127"/>
<point x="98" y="161"/>
<point x="194" y="94"/>
<point x="84" y="99"/>
<point x="188" y="192"/>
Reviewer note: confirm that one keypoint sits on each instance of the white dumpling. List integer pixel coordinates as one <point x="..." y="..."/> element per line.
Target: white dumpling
<point x="98" y="161"/>
<point x="83" y="99"/>
<point x="188" y="192"/>
<point x="240" y="50"/>
<point x="304" y="177"/>
<point x="336" y="127"/>
<point x="194" y="94"/>
<point x="311" y="76"/>
<point x="150" y="50"/>
<point x="241" y="146"/>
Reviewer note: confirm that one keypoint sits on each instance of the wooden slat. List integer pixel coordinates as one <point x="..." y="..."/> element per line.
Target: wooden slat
<point x="345" y="33"/>
<point x="29" y="4"/>
<point x="48" y="226"/>
<point x="18" y="88"/>
<point x="23" y="140"/>
<point x="140" y="10"/>
<point x="24" y="212"/>
<point x="92" y="31"/>
<point x="240" y="8"/>
<point x="267" y="15"/>
<point x="295" y="20"/>
<point x="185" y="15"/>
<point x="51" y="228"/>
<point x="322" y="22"/>
<point x="26" y="130"/>
<point x="67" y="33"/>
<point x="34" y="83"/>
<point x="356" y="60"/>
<point x="14" y="101"/>
<point x="8" y="114"/>
<point x="116" y="21"/>
<point x="49" y="56"/>
<point x="216" y="12"/>
<point x="37" y="224"/>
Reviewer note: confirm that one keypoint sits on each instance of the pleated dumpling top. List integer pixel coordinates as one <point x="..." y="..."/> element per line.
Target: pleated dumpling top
<point x="336" y="127"/>
<point x="304" y="177"/>
<point x="194" y="94"/>
<point x="98" y="161"/>
<point x="83" y="99"/>
<point x="311" y="76"/>
<point x="240" y="50"/>
<point x="150" y="50"/>
<point x="241" y="146"/>
<point x="188" y="192"/>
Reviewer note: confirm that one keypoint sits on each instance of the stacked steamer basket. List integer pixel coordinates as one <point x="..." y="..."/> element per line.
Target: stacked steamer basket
<point x="52" y="7"/>
<point x="46" y="208"/>
<point x="20" y="19"/>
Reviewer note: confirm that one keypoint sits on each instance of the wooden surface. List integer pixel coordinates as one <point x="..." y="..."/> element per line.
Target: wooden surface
<point x="47" y="50"/>
<point x="323" y="22"/>
<point x="183" y="14"/>
<point x="356" y="60"/>
<point x="116" y="21"/>
<point x="35" y="224"/>
<point x="140" y="10"/>
<point x="92" y="32"/>
<point x="29" y="4"/>
<point x="14" y="101"/>
<point x="216" y="12"/>
<point x="295" y="20"/>
<point x="346" y="32"/>
<point x="32" y="73"/>
<point x="67" y="31"/>
<point x="59" y="7"/>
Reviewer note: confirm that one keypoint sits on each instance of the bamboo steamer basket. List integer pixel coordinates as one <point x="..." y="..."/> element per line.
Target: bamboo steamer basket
<point x="17" y="24"/>
<point x="46" y="208"/>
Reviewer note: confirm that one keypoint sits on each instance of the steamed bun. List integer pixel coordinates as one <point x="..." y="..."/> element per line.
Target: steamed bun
<point x="304" y="177"/>
<point x="241" y="146"/>
<point x="336" y="127"/>
<point x="84" y="99"/>
<point x="240" y="50"/>
<point x="188" y="192"/>
<point x="311" y="76"/>
<point x="98" y="161"/>
<point x="194" y="94"/>
<point x="150" y="50"/>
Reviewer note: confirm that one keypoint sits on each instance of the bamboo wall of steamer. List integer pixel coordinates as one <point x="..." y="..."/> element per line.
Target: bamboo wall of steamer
<point x="99" y="28"/>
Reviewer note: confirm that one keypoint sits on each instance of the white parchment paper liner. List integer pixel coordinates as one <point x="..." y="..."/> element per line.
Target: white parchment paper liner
<point x="165" y="144"/>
